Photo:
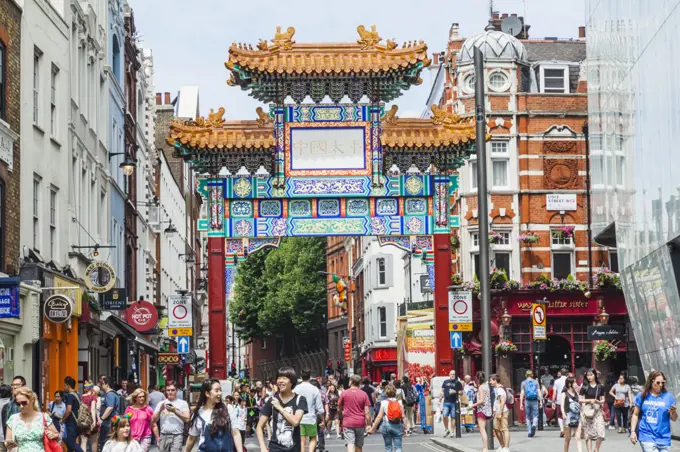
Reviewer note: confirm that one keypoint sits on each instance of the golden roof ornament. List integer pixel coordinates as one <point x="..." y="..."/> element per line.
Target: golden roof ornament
<point x="285" y="39"/>
<point x="449" y="120"/>
<point x="368" y="39"/>
<point x="263" y="118"/>
<point x="215" y="118"/>
<point x="390" y="115"/>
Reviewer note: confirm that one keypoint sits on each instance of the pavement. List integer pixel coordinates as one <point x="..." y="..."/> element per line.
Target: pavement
<point x="373" y="443"/>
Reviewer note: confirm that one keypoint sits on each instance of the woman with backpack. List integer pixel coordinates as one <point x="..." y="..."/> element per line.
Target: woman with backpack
<point x="90" y="402"/>
<point x="654" y="409"/>
<point x="210" y="424"/>
<point x="140" y="413"/>
<point x="332" y="409"/>
<point x="410" y="401"/>
<point x="393" y="428"/>
<point x="571" y="413"/>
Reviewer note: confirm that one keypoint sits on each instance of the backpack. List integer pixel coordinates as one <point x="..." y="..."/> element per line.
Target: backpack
<point x="219" y="442"/>
<point x="531" y="390"/>
<point x="394" y="412"/>
<point x="509" y="398"/>
<point x="410" y="395"/>
<point x="84" y="418"/>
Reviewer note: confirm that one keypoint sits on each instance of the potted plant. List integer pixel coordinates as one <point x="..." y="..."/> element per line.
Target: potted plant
<point x="503" y="348"/>
<point x="607" y="279"/>
<point x="495" y="237"/>
<point x="457" y="280"/>
<point x="564" y="232"/>
<point x="529" y="238"/>
<point x="605" y="350"/>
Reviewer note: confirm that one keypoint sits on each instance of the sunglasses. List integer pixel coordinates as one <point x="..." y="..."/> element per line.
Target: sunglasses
<point x="22" y="404"/>
<point x="661" y="383"/>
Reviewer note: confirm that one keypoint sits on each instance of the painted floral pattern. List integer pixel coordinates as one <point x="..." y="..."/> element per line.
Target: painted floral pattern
<point x="243" y="228"/>
<point x="242" y="187"/>
<point x="270" y="208"/>
<point x="329" y="207"/>
<point x="413" y="185"/>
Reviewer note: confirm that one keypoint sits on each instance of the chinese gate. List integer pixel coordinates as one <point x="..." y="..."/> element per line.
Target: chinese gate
<point x="340" y="165"/>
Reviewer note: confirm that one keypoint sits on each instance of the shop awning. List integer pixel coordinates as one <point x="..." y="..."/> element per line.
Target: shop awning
<point x="132" y="333"/>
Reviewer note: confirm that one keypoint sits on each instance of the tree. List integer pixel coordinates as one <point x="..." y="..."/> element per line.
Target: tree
<point x="281" y="293"/>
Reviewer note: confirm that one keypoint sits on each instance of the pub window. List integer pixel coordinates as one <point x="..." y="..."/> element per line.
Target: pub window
<point x="561" y="264"/>
<point x="382" y="321"/>
<point x="502" y="261"/>
<point x="3" y="84"/>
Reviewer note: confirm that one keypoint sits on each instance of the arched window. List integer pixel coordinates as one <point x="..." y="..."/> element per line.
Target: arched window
<point x="3" y="78"/>
<point x="116" y="58"/>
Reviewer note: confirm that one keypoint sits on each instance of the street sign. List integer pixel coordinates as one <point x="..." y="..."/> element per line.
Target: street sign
<point x="179" y="311"/>
<point x="456" y="340"/>
<point x="466" y="327"/>
<point x="605" y="332"/>
<point x="168" y="358"/>
<point x="538" y="321"/>
<point x="460" y="306"/>
<point x="183" y="345"/>
<point x="176" y="332"/>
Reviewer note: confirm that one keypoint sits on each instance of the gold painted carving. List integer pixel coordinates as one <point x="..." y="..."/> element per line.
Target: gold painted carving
<point x="262" y="118"/>
<point x="284" y="39"/>
<point x="449" y="120"/>
<point x="368" y="39"/>
<point x="390" y="115"/>
<point x="215" y="118"/>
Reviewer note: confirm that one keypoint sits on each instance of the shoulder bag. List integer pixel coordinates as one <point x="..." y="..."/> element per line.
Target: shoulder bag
<point x="589" y="409"/>
<point x="51" y="445"/>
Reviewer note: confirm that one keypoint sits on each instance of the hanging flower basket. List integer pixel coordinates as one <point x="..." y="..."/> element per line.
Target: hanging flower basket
<point x="455" y="241"/>
<point x="605" y="350"/>
<point x="529" y="238"/>
<point x="564" y="232"/>
<point x="607" y="279"/>
<point x="456" y="280"/>
<point x="495" y="237"/>
<point x="505" y="347"/>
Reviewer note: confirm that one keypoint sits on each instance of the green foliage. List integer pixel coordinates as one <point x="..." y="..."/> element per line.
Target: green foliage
<point x="280" y="292"/>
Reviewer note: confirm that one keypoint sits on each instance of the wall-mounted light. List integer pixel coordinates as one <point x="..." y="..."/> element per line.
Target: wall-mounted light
<point x="128" y="166"/>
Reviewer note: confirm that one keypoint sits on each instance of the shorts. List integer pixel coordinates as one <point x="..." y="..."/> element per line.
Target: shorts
<point x="309" y="430"/>
<point x="354" y="436"/>
<point x="501" y="424"/>
<point x="449" y="409"/>
<point x="481" y="415"/>
<point x="333" y="415"/>
<point x="652" y="447"/>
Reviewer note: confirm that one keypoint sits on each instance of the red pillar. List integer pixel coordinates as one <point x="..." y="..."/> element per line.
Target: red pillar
<point x="217" y="319"/>
<point x="443" y="354"/>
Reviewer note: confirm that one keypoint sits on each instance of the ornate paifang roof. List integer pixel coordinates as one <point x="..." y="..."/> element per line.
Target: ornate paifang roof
<point x="443" y="129"/>
<point x="281" y="65"/>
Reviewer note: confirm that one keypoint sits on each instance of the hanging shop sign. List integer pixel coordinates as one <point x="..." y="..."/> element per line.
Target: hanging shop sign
<point x="168" y="358"/>
<point x="58" y="308"/>
<point x="9" y="301"/>
<point x="179" y="311"/>
<point x="115" y="300"/>
<point x="142" y="316"/>
<point x="100" y="277"/>
<point x="605" y="332"/>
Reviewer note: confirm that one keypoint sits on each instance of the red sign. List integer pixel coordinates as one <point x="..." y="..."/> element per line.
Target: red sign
<point x="142" y="316"/>
<point x="385" y="354"/>
<point x="568" y="305"/>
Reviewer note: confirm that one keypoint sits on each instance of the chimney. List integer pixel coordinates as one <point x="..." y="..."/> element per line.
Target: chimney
<point x="167" y="98"/>
<point x="505" y="16"/>
<point x="453" y="32"/>
<point x="435" y="59"/>
<point x="159" y="99"/>
<point x="582" y="32"/>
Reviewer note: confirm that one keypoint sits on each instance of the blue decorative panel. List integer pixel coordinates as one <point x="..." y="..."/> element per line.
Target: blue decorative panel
<point x="242" y="187"/>
<point x="328" y="208"/>
<point x="300" y="208"/>
<point x="329" y="227"/>
<point x="386" y="206"/>
<point x="416" y="206"/>
<point x="414" y="225"/>
<point x="379" y="226"/>
<point x="242" y="228"/>
<point x="270" y="208"/>
<point x="241" y="209"/>
<point x="357" y="207"/>
<point x="356" y="186"/>
<point x="413" y="185"/>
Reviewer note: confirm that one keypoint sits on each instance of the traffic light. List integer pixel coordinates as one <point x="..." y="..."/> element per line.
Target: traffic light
<point x="232" y="372"/>
<point x="329" y="368"/>
<point x="341" y="366"/>
<point x="348" y="351"/>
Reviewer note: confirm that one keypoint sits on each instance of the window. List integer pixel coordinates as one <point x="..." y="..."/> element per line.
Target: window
<point x="502" y="260"/>
<point x="116" y="58"/>
<point x="382" y="272"/>
<point x="614" y="261"/>
<point x="596" y="170"/>
<point x="499" y="164"/>
<point x="498" y="81"/>
<point x="561" y="264"/>
<point x="53" y="100"/>
<point x="620" y="170"/>
<point x="473" y="175"/>
<point x="474" y="238"/>
<point x="554" y="80"/>
<point x="504" y="238"/>
<point x="559" y="239"/>
<point x="3" y="87"/>
<point x="36" y="212"/>
<point x="469" y="83"/>
<point x="53" y="223"/>
<point x="37" y="56"/>
<point x="475" y="264"/>
<point x="382" y="322"/>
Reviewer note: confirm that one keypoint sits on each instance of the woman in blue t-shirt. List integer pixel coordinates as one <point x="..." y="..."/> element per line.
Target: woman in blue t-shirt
<point x="654" y="409"/>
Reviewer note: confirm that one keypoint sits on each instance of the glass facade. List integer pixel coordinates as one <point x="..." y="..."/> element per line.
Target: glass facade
<point x="634" y="106"/>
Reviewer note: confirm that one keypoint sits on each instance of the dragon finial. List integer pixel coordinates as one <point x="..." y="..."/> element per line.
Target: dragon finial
<point x="215" y="118"/>
<point x="390" y="115"/>
<point x="368" y="39"/>
<point x="284" y="39"/>
<point x="262" y="45"/>
<point x="391" y="44"/>
<point x="262" y="117"/>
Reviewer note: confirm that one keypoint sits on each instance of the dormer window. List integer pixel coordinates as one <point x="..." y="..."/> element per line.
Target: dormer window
<point x="554" y="79"/>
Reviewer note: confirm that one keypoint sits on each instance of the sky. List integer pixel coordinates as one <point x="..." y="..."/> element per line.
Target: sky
<point x="190" y="39"/>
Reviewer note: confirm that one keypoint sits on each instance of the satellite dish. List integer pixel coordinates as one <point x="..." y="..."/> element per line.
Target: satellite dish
<point x="512" y="26"/>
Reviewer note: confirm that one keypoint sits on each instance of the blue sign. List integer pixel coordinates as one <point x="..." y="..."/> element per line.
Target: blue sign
<point x="182" y="345"/>
<point x="456" y="339"/>
<point x="9" y="299"/>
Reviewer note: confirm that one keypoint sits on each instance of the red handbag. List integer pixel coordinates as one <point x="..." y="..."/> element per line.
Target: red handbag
<point x="51" y="445"/>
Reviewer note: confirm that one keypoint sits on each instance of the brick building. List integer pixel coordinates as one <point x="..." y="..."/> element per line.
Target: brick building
<point x="537" y="182"/>
<point x="337" y="262"/>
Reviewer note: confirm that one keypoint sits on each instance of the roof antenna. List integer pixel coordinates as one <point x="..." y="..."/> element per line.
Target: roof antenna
<point x="491" y="26"/>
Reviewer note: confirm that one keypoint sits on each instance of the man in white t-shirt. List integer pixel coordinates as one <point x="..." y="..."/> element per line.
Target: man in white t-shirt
<point x="171" y="415"/>
<point x="557" y="398"/>
<point x="500" y="414"/>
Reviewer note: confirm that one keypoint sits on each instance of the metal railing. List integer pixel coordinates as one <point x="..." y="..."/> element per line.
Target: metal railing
<point x="315" y="361"/>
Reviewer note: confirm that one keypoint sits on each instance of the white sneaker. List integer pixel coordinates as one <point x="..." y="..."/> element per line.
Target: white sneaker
<point x="328" y="436"/>
<point x="506" y="449"/>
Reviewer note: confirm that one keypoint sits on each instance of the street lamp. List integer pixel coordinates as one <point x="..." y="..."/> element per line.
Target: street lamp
<point x="603" y="316"/>
<point x="128" y="166"/>
<point x="171" y="229"/>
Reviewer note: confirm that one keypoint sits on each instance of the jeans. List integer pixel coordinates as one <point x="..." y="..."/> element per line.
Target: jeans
<point x="392" y="434"/>
<point x="622" y="416"/>
<point x="531" y="411"/>
<point x="72" y="437"/>
<point x="612" y="414"/>
<point x="104" y="430"/>
<point x="652" y="447"/>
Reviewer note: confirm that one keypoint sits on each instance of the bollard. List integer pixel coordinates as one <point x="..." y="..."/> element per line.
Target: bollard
<point x="458" y="431"/>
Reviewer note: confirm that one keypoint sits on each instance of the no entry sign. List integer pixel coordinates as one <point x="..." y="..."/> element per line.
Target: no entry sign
<point x="538" y="321"/>
<point x="179" y="312"/>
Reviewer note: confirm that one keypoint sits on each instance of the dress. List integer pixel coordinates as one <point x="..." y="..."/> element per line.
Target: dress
<point x="593" y="428"/>
<point x="484" y="410"/>
<point x="29" y="438"/>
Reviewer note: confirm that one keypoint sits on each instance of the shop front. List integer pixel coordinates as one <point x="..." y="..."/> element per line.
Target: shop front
<point x="380" y="363"/>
